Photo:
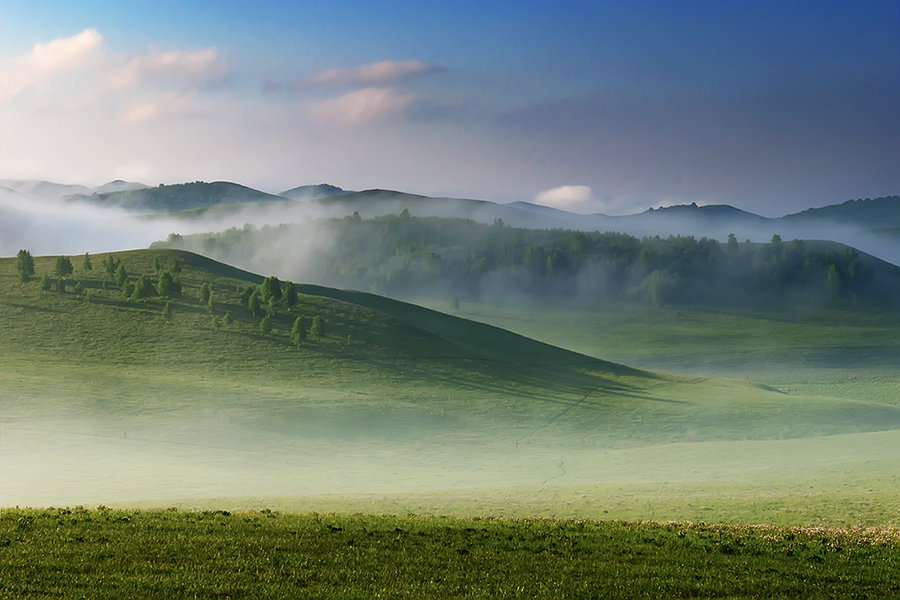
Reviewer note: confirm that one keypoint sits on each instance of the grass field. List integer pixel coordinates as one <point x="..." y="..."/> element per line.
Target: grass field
<point x="402" y="409"/>
<point x="77" y="553"/>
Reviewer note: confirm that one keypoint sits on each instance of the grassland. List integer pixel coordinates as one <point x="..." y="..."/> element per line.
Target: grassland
<point x="403" y="409"/>
<point x="76" y="553"/>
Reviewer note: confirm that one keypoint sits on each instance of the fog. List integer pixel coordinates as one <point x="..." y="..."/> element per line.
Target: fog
<point x="64" y="454"/>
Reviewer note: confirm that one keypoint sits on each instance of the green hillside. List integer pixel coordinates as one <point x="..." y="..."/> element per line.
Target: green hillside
<point x="105" y="399"/>
<point x="180" y="197"/>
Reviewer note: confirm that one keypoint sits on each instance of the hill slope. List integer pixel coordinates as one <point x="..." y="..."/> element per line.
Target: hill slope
<point x="107" y="398"/>
<point x="179" y="197"/>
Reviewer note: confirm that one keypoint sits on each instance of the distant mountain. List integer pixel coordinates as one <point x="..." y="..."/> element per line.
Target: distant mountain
<point x="45" y="190"/>
<point x="119" y="186"/>
<point x="179" y="197"/>
<point x="313" y="192"/>
<point x="877" y="213"/>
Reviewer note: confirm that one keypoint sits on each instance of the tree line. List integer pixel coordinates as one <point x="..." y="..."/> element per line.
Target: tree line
<point x="411" y="257"/>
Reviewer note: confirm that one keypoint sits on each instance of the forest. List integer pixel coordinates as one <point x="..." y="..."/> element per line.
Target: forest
<point x="409" y="257"/>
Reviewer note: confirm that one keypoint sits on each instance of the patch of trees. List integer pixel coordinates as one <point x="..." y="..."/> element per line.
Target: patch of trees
<point x="415" y="257"/>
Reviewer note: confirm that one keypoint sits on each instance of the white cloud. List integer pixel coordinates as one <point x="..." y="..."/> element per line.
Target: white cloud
<point x="566" y="197"/>
<point x="167" y="105"/>
<point x="22" y="73"/>
<point x="361" y="106"/>
<point x="200" y="66"/>
<point x="377" y="73"/>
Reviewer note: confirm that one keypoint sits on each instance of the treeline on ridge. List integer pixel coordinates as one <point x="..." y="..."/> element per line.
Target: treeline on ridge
<point x="410" y="257"/>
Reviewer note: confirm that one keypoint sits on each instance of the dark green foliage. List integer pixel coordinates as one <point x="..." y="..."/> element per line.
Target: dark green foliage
<point x="271" y="289"/>
<point x="317" y="329"/>
<point x="24" y="265"/>
<point x="143" y="288"/>
<point x="121" y="276"/>
<point x="265" y="326"/>
<point x="253" y="302"/>
<point x="167" y="285"/>
<point x="157" y="264"/>
<point x="86" y="264"/>
<point x="63" y="266"/>
<point x="422" y="257"/>
<point x="246" y="292"/>
<point x="271" y="307"/>
<point x="205" y="292"/>
<point x="290" y="295"/>
<point x="111" y="265"/>
<point x="60" y="284"/>
<point x="45" y="283"/>
<point x="298" y="333"/>
<point x="128" y="290"/>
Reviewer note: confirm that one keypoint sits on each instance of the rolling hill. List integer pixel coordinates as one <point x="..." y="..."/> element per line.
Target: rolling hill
<point x="105" y="398"/>
<point x="178" y="197"/>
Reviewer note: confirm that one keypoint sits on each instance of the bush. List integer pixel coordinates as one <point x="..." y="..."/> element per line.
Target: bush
<point x="63" y="266"/>
<point x="265" y="326"/>
<point x="317" y="329"/>
<point x="45" y="283"/>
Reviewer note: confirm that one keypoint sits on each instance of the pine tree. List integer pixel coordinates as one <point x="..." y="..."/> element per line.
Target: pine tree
<point x="205" y="293"/>
<point x="290" y="295"/>
<point x="24" y="265"/>
<point x="63" y="266"/>
<point x="121" y="275"/>
<point x="317" y="329"/>
<point x="265" y="326"/>
<point x="86" y="264"/>
<point x="297" y="332"/>
<point x="253" y="303"/>
<point x="45" y="283"/>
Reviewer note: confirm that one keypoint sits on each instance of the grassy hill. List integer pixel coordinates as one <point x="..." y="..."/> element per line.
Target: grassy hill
<point x="179" y="197"/>
<point x="104" y="399"/>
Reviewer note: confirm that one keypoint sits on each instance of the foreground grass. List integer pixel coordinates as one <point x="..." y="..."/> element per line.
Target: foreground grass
<point x="75" y="553"/>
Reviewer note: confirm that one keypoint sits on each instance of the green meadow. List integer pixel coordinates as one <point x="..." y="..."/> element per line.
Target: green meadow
<point x="781" y="421"/>
<point x="103" y="553"/>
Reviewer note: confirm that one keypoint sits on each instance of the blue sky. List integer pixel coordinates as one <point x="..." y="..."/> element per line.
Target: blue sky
<point x="611" y="107"/>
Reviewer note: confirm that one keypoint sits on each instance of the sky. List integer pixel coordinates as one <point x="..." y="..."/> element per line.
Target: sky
<point x="608" y="107"/>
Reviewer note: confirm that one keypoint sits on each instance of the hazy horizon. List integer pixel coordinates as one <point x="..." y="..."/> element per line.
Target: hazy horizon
<point x="612" y="109"/>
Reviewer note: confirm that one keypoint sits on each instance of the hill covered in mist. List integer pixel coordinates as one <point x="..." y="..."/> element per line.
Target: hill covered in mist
<point x="412" y="258"/>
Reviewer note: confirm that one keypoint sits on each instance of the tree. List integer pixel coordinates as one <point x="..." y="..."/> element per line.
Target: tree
<point x="86" y="264"/>
<point x="205" y="292"/>
<point x="832" y="283"/>
<point x="60" y="284"/>
<point x="298" y="333"/>
<point x="290" y="295"/>
<point x="143" y="288"/>
<point x="265" y="326"/>
<point x="121" y="275"/>
<point x="157" y="264"/>
<point x="45" y="283"/>
<point x="24" y="265"/>
<point x="166" y="286"/>
<point x="253" y="303"/>
<point x="733" y="248"/>
<point x="167" y="312"/>
<point x="271" y="288"/>
<point x="271" y="307"/>
<point x="111" y="265"/>
<point x="317" y="329"/>
<point x="210" y="307"/>
<point x="63" y="266"/>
